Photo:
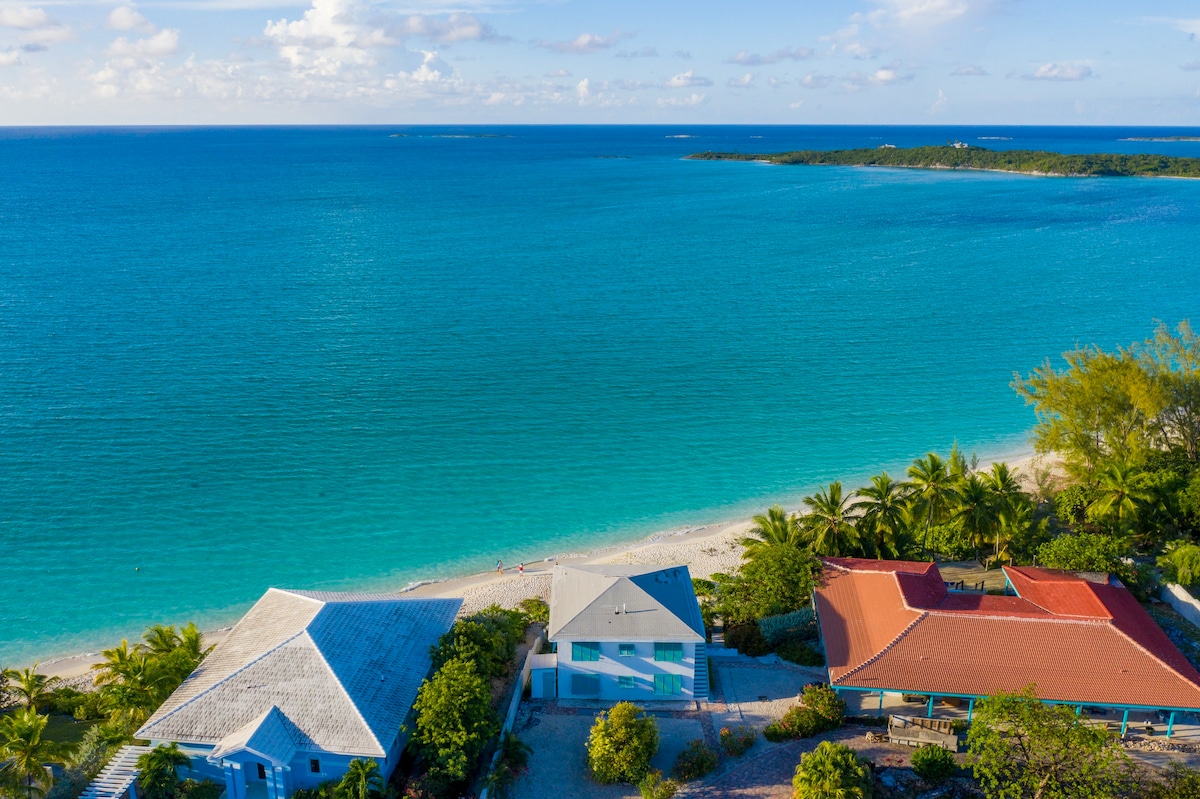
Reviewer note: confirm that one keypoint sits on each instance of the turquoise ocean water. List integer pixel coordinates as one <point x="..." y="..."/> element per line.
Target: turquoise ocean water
<point x="333" y="358"/>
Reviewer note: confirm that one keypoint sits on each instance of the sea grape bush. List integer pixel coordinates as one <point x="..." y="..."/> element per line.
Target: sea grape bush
<point x="694" y="761"/>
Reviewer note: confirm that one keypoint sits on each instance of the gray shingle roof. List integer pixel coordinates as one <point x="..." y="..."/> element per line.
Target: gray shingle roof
<point x="624" y="603"/>
<point x="340" y="670"/>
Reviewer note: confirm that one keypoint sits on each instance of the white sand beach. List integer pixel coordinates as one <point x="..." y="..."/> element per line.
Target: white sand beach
<point x="705" y="550"/>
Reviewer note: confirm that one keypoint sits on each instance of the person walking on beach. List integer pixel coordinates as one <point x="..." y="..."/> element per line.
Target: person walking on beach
<point x="499" y="567"/>
<point x="521" y="569"/>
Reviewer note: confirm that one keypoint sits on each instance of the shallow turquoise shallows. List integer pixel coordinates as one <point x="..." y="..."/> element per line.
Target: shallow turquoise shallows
<point x="333" y="358"/>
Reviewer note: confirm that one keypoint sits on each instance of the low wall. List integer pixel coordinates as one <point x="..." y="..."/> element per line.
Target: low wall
<point x="1184" y="603"/>
<point x="514" y="702"/>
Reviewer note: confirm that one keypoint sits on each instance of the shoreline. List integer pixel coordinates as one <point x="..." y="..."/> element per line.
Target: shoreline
<point x="705" y="549"/>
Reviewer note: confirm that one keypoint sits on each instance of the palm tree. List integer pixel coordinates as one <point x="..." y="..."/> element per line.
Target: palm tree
<point x="159" y="777"/>
<point x="932" y="488"/>
<point x="132" y="684"/>
<point x="161" y="639"/>
<point x="828" y="526"/>
<point x="832" y="771"/>
<point x="191" y="641"/>
<point x="362" y="780"/>
<point x="1120" y="499"/>
<point x="774" y="528"/>
<point x="24" y="753"/>
<point x="31" y="689"/>
<point x="976" y="510"/>
<point x="117" y="662"/>
<point x="1016" y="521"/>
<point x="883" y="514"/>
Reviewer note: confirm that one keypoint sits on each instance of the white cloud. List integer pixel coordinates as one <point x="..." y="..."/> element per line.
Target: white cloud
<point x="645" y="52"/>
<point x="795" y="105"/>
<point x="687" y="80"/>
<point x="969" y="71"/>
<point x="1064" y="72"/>
<point x="884" y="76"/>
<point x="754" y="59"/>
<point x="584" y="90"/>
<point x="1189" y="26"/>
<point x="557" y="73"/>
<point x="41" y="38"/>
<point x="161" y="45"/>
<point x="744" y="82"/>
<point x="24" y="18"/>
<point x="924" y="12"/>
<point x="126" y="18"/>
<point x="9" y="58"/>
<point x="585" y="43"/>
<point x="330" y="38"/>
<point x="693" y="99"/>
<point x="939" y="105"/>
<point x="452" y="29"/>
<point x="846" y="42"/>
<point x="815" y="81"/>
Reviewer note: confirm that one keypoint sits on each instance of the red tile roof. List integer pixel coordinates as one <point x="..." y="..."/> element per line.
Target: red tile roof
<point x="892" y="625"/>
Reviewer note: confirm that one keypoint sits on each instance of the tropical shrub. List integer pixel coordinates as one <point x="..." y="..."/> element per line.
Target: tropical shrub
<point x="454" y="719"/>
<point x="513" y="762"/>
<point x="326" y="790"/>
<point x="801" y="653"/>
<point x="703" y="588"/>
<point x="655" y="787"/>
<point x="799" y="624"/>
<point x="773" y="580"/>
<point x="824" y="701"/>
<point x="621" y="744"/>
<point x="1181" y="564"/>
<point x="159" y="778"/>
<point x="747" y="639"/>
<point x="488" y="639"/>
<point x="362" y="780"/>
<point x="1178" y="782"/>
<point x="949" y="541"/>
<point x="199" y="789"/>
<point x="797" y="722"/>
<point x="933" y="763"/>
<point x="83" y="765"/>
<point x="1071" y="504"/>
<point x="737" y="740"/>
<point x="1085" y="552"/>
<point x="832" y="771"/>
<point x="24" y="751"/>
<point x="694" y="761"/>
<point x="535" y="609"/>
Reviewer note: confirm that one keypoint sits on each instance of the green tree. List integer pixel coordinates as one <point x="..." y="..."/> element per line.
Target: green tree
<point x="828" y="527"/>
<point x="24" y="752"/>
<point x="1021" y="748"/>
<point x="772" y="581"/>
<point x="362" y="780"/>
<point x="159" y="778"/>
<point x="832" y="771"/>
<point x="883" y="515"/>
<point x="621" y="744"/>
<point x="1173" y="362"/>
<point x="1181" y="563"/>
<point x="772" y="529"/>
<point x="30" y="688"/>
<point x="1101" y="407"/>
<point x="1119" y="500"/>
<point x="976" y="511"/>
<point x="933" y="763"/>
<point x="454" y="719"/>
<point x="932" y="488"/>
<point x="1082" y="552"/>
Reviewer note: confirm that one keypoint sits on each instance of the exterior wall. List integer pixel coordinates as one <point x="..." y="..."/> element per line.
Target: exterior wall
<point x="242" y="769"/>
<point x="642" y="667"/>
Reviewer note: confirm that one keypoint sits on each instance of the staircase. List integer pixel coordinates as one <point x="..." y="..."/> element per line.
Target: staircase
<point x="700" y="683"/>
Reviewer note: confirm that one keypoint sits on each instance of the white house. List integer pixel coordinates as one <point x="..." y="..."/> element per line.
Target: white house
<point x="306" y="682"/>
<point x="623" y="633"/>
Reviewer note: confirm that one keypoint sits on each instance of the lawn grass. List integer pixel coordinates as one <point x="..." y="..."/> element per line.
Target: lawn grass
<point x="64" y="729"/>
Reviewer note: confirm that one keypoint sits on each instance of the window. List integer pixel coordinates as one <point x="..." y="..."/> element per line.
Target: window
<point x="670" y="653"/>
<point x="314" y="766"/>
<point x="585" y="651"/>
<point x="626" y="650"/>
<point x="625" y="681"/>
<point x="262" y="771"/>
<point x="585" y="685"/>
<point x="668" y="684"/>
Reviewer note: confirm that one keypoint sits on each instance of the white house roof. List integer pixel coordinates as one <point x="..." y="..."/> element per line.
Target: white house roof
<point x="624" y="603"/>
<point x="337" y="672"/>
<point x="266" y="736"/>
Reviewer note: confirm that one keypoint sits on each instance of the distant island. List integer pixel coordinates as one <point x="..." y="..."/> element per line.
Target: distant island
<point x="960" y="156"/>
<point x="1161" y="138"/>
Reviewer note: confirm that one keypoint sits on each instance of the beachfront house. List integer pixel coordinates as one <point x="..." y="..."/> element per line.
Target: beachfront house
<point x="623" y="633"/>
<point x="894" y="633"/>
<point x="306" y="682"/>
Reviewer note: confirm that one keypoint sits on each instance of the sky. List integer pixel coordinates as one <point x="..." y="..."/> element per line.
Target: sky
<point x="1049" y="62"/>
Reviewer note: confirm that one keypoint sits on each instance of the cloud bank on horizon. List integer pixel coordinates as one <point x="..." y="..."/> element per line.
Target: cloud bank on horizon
<point x="510" y="61"/>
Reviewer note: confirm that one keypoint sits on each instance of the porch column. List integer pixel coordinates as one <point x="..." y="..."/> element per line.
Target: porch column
<point x="929" y="712"/>
<point x="1124" y="722"/>
<point x="881" y="703"/>
<point x="233" y="781"/>
<point x="970" y="709"/>
<point x="1170" y="724"/>
<point x="1078" y="709"/>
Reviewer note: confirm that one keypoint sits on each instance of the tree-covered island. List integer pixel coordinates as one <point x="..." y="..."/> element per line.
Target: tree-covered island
<point x="1027" y="162"/>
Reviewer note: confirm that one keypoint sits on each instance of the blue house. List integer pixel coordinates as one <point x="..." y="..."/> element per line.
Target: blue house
<point x="304" y="683"/>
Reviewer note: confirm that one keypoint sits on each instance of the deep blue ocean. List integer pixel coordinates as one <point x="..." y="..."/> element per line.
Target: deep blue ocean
<point x="338" y="357"/>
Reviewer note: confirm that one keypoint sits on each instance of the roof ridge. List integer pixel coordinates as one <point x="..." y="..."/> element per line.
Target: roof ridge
<point x="886" y="649"/>
<point x="298" y="593"/>
<point x="1190" y="683"/>
<point x="353" y="705"/>
<point x="190" y="700"/>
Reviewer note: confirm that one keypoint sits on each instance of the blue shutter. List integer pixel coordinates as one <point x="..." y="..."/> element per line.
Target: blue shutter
<point x="585" y="651"/>
<point x="668" y="653"/>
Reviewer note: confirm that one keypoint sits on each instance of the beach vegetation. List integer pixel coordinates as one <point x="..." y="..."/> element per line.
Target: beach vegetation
<point x="535" y="609"/>
<point x="29" y="688"/>
<point x="774" y="528"/>
<point x="828" y="527"/>
<point x="832" y="771"/>
<point x="1085" y="552"/>
<point x="454" y="720"/>
<point x="883" y="516"/>
<point x="773" y="580"/>
<point x="159" y="777"/>
<point x="1180" y="563"/>
<point x="799" y="624"/>
<point x="488" y="638"/>
<point x="1019" y="747"/>
<point x="621" y="744"/>
<point x="24" y="751"/>
<point x="931" y="487"/>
